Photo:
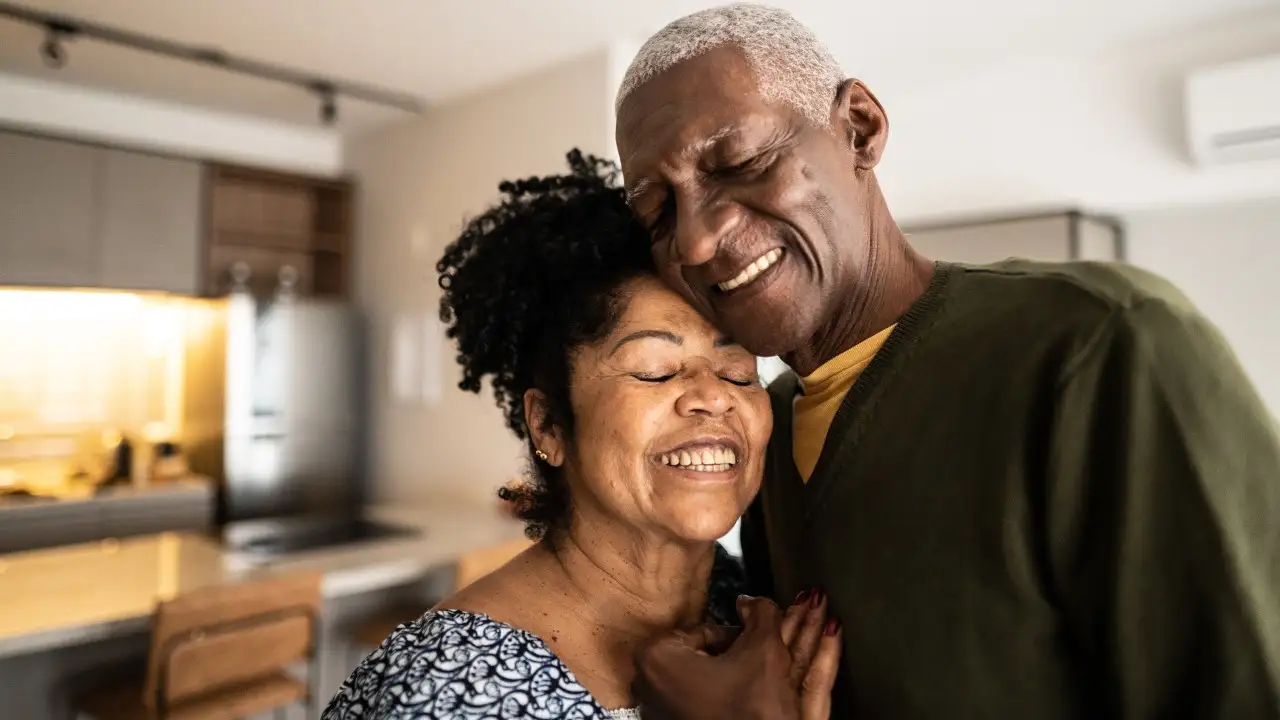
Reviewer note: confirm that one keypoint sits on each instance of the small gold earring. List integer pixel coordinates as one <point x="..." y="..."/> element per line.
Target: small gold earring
<point x="541" y="455"/>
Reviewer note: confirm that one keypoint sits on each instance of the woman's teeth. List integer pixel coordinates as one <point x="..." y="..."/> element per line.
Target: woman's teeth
<point x="752" y="271"/>
<point x="702" y="459"/>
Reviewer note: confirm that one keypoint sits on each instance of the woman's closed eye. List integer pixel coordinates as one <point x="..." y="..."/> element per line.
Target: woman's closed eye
<point x="653" y="377"/>
<point x="661" y="378"/>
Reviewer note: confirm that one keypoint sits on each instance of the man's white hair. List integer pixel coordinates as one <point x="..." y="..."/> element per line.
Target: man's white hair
<point x="791" y="65"/>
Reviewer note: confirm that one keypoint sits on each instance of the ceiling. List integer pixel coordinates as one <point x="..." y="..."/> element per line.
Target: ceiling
<point x="440" y="49"/>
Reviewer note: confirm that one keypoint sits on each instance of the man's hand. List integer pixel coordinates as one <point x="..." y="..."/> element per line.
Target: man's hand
<point x="780" y="667"/>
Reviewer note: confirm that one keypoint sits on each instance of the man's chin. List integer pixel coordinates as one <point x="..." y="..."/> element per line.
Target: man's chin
<point x="765" y="339"/>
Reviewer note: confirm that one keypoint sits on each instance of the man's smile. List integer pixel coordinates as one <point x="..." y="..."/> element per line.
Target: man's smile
<point x="752" y="271"/>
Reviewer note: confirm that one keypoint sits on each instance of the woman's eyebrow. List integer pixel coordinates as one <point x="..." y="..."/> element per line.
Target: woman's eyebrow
<point x="665" y="335"/>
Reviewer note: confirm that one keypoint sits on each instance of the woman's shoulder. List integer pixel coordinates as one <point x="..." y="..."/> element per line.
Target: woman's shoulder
<point x="459" y="664"/>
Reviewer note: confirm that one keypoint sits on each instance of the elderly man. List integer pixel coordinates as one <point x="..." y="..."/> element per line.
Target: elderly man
<point x="1027" y="490"/>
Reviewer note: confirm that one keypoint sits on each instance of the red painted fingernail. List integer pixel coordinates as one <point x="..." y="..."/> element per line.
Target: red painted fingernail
<point x="816" y="599"/>
<point x="833" y="627"/>
<point x="804" y="595"/>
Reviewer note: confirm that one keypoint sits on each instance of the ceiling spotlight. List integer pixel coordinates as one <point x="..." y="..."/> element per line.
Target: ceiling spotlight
<point x="328" y="100"/>
<point x="52" y="51"/>
<point x="328" y="109"/>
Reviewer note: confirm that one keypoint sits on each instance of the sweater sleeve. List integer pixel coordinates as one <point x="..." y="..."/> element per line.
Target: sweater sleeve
<point x="1163" y="521"/>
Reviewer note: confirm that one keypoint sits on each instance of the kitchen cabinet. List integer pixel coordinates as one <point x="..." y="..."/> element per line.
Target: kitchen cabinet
<point x="264" y="222"/>
<point x="80" y="215"/>
<point x="150" y="222"/>
<point x="47" y="194"/>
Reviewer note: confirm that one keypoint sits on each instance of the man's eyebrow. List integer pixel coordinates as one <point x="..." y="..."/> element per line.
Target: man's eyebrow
<point x="641" y="187"/>
<point x="670" y="337"/>
<point x="700" y="146"/>
<point x="697" y="147"/>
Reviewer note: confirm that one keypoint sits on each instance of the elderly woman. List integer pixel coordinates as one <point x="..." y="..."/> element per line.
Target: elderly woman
<point x="646" y="429"/>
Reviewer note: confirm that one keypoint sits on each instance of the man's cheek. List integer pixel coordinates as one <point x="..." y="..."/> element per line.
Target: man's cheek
<point x="673" y="276"/>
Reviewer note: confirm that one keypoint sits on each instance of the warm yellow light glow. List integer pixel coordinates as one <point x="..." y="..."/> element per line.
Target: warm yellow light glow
<point x="156" y="432"/>
<point x="76" y="360"/>
<point x="38" y="304"/>
<point x="111" y="438"/>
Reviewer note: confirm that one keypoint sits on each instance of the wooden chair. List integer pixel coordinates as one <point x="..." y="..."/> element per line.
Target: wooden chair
<point x="370" y="632"/>
<point x="224" y="653"/>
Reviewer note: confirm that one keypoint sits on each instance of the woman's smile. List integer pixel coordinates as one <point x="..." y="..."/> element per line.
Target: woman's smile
<point x="703" y="458"/>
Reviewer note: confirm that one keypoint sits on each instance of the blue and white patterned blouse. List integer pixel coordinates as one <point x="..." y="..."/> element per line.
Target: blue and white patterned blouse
<point x="457" y="664"/>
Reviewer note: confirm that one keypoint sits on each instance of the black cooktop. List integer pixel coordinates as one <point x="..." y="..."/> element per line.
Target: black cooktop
<point x="282" y="536"/>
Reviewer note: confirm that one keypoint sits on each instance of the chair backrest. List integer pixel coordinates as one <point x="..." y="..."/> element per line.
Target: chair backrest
<point x="476" y="564"/>
<point x="219" y="637"/>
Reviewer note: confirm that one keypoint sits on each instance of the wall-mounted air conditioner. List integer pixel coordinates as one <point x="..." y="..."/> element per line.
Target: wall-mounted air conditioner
<point x="1233" y="112"/>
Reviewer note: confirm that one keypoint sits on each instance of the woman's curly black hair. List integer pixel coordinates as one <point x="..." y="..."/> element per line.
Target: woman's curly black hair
<point x="529" y="281"/>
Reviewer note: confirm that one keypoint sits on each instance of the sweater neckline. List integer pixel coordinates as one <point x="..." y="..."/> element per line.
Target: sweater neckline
<point x="852" y="413"/>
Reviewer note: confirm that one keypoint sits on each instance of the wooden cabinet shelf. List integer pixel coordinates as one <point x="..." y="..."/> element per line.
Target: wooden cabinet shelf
<point x="268" y="221"/>
<point x="250" y="238"/>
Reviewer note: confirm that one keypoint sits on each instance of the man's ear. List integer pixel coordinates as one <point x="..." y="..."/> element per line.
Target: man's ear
<point x="547" y="437"/>
<point x="858" y="115"/>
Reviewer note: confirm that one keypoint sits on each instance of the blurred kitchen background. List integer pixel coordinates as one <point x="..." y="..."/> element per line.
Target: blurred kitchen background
<point x="220" y="363"/>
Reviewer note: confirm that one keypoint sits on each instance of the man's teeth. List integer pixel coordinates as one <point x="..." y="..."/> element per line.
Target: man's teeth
<point x="752" y="271"/>
<point x="702" y="459"/>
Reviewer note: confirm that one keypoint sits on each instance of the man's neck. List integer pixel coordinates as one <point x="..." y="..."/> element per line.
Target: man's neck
<point x="894" y="277"/>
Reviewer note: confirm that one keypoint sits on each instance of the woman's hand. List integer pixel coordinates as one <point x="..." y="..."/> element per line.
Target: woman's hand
<point x="815" y="644"/>
<point x="780" y="667"/>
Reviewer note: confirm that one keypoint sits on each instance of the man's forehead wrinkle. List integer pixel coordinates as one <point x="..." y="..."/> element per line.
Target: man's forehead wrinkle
<point x="663" y="113"/>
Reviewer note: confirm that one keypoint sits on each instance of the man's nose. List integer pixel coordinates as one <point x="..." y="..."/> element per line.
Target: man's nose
<point x="700" y="228"/>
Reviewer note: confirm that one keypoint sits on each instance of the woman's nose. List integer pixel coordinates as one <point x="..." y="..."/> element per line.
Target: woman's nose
<point x="705" y="394"/>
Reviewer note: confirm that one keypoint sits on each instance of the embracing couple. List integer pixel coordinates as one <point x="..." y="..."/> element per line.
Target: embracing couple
<point x="1022" y="490"/>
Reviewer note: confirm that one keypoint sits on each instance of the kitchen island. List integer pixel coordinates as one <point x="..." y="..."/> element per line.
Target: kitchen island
<point x="56" y="603"/>
<point x="75" y="513"/>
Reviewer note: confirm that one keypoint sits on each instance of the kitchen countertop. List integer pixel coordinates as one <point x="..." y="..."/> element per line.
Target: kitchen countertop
<point x="85" y="493"/>
<point x="75" y="594"/>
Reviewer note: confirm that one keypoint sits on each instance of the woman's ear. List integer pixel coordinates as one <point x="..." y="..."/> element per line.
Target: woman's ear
<point x="858" y="115"/>
<point x="547" y="437"/>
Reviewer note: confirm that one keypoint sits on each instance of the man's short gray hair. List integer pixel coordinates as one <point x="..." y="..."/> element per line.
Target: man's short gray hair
<point x="791" y="65"/>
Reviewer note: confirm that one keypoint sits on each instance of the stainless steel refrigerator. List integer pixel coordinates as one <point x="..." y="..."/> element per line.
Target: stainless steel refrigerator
<point x="293" y="426"/>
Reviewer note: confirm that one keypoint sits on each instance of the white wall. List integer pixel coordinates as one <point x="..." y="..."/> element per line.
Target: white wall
<point x="418" y="183"/>
<point x="76" y="112"/>
<point x="1105" y="131"/>
<point x="1226" y="257"/>
<point x="620" y="55"/>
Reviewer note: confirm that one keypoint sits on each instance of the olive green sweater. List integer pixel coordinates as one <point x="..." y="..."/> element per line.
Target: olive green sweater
<point x="1052" y="494"/>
